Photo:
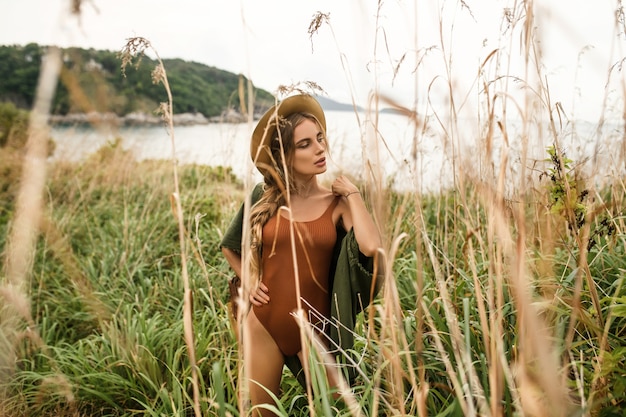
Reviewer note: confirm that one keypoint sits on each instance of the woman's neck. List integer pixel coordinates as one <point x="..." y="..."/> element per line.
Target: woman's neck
<point x="305" y="187"/>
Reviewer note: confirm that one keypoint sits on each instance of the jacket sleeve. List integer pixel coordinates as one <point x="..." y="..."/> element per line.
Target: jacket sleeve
<point x="232" y="236"/>
<point x="354" y="287"/>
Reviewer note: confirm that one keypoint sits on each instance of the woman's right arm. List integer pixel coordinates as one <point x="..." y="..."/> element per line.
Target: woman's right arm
<point x="258" y="295"/>
<point x="234" y="260"/>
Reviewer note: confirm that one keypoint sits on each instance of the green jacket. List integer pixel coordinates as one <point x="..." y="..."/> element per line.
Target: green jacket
<point x="352" y="282"/>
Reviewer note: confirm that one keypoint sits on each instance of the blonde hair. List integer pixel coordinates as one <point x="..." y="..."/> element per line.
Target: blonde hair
<point x="276" y="179"/>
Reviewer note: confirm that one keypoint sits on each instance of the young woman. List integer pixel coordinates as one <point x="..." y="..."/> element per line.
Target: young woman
<point x="302" y="235"/>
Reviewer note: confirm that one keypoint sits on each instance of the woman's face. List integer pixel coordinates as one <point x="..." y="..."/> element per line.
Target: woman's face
<point x="309" y="156"/>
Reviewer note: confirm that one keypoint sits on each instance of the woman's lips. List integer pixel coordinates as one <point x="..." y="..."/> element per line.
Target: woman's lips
<point x="321" y="162"/>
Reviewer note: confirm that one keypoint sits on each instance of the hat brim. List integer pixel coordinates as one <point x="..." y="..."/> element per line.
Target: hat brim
<point x="260" y="149"/>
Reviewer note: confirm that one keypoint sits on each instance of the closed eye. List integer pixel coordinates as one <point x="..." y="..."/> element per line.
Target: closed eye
<point x="304" y="143"/>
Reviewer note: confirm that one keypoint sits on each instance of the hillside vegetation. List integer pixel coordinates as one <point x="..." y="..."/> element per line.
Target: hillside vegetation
<point x="92" y="80"/>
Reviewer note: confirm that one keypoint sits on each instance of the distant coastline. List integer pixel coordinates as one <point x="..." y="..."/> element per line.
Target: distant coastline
<point x="181" y="119"/>
<point x="143" y="119"/>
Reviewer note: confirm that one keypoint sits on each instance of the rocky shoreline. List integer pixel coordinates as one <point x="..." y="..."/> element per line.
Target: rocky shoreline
<point x="143" y="119"/>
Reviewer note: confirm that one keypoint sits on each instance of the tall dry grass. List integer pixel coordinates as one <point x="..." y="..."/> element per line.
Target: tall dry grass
<point x="16" y="318"/>
<point x="521" y="225"/>
<point x="502" y="295"/>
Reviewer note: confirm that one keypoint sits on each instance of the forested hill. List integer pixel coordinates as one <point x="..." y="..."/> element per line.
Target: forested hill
<point x="92" y="81"/>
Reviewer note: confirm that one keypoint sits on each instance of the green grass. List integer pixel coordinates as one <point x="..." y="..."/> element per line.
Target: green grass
<point x="106" y="291"/>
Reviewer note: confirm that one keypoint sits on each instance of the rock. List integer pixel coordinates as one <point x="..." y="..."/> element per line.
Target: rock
<point x="141" y="119"/>
<point x="190" y="119"/>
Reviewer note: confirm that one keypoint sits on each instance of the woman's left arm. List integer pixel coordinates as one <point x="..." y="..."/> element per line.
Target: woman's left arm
<point x="357" y="216"/>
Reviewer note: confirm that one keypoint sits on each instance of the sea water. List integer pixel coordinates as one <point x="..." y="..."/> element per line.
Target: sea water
<point x="389" y="149"/>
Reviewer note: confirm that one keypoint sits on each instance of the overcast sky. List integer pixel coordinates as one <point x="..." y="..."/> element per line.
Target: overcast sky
<point x="355" y="53"/>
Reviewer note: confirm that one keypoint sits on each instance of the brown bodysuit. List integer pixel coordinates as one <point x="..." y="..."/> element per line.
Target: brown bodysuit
<point x="314" y="241"/>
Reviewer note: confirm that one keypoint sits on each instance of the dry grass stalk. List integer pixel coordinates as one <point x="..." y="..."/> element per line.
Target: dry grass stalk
<point x="135" y="48"/>
<point x="15" y="310"/>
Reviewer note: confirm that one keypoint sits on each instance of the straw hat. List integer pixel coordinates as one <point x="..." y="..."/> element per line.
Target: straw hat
<point x="260" y="149"/>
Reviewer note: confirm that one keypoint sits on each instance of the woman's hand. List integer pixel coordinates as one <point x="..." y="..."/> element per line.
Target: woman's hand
<point x="343" y="187"/>
<point x="259" y="296"/>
